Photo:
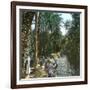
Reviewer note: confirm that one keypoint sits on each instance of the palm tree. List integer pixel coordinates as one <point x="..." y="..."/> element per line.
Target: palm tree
<point x="37" y="39"/>
<point x="25" y="28"/>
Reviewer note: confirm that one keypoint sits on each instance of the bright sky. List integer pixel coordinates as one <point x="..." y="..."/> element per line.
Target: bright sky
<point x="65" y="16"/>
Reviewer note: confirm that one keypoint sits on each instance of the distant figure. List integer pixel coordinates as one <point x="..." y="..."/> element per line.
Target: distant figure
<point x="27" y="66"/>
<point x="50" y="67"/>
<point x="42" y="61"/>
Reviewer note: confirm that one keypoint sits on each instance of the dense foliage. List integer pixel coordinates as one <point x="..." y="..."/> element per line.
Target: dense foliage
<point x="41" y="36"/>
<point x="72" y="42"/>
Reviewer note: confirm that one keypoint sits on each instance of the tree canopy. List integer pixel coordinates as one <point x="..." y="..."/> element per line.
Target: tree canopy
<point x="45" y="37"/>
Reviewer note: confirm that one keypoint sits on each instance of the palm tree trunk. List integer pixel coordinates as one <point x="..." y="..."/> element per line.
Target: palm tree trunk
<point x="37" y="40"/>
<point x="25" y="41"/>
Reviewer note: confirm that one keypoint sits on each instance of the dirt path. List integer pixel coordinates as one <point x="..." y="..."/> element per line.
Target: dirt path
<point x="64" y="68"/>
